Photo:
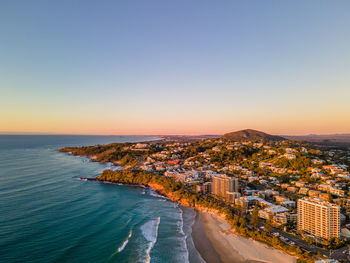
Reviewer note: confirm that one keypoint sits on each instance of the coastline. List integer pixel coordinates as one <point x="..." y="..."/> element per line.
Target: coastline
<point x="213" y="238"/>
<point x="211" y="232"/>
<point x="222" y="230"/>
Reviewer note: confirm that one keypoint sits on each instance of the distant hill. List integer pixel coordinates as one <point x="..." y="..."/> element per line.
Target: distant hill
<point x="188" y="138"/>
<point x="251" y="135"/>
<point x="324" y="139"/>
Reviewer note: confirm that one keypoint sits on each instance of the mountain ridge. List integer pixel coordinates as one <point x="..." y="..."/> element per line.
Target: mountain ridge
<point x="251" y="135"/>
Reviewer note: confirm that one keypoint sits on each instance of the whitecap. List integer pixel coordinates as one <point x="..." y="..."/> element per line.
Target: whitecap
<point x="121" y="248"/>
<point x="155" y="194"/>
<point x="150" y="232"/>
<point x="180" y="225"/>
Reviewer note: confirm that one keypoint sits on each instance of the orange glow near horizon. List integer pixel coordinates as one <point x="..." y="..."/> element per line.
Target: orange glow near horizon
<point x="174" y="125"/>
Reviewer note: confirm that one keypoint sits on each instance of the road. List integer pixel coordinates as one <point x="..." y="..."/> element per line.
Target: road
<point x="335" y="254"/>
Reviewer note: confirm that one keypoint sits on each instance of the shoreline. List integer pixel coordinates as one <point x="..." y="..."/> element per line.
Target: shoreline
<point x="215" y="242"/>
<point x="230" y="247"/>
<point x="201" y="242"/>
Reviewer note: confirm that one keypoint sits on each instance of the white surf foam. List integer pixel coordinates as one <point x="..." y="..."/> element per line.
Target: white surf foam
<point x="155" y="194"/>
<point x="182" y="224"/>
<point x="150" y="232"/>
<point x="115" y="168"/>
<point x="185" y="256"/>
<point x="121" y="248"/>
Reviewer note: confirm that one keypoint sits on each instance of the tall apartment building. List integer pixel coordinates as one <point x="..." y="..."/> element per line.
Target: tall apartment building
<point x="223" y="184"/>
<point x="232" y="196"/>
<point x="346" y="204"/>
<point x="207" y="187"/>
<point x="318" y="217"/>
<point x="204" y="188"/>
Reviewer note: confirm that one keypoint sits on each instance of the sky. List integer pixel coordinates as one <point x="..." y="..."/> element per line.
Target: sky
<point x="174" y="67"/>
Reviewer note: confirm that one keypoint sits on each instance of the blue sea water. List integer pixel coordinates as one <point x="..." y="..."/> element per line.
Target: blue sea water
<point x="48" y="215"/>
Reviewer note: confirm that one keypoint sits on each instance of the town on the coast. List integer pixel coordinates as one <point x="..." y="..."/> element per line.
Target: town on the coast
<point x="292" y="195"/>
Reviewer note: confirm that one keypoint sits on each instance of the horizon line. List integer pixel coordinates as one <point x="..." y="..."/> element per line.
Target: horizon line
<point x="140" y="135"/>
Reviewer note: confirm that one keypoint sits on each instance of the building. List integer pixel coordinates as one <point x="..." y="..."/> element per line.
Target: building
<point x="289" y="156"/>
<point x="327" y="261"/>
<point x="288" y="203"/>
<point x="232" y="196"/>
<point x="280" y="198"/>
<point x="313" y="193"/>
<point x="204" y="188"/>
<point x="337" y="192"/>
<point x="278" y="213"/>
<point x="199" y="188"/>
<point x="300" y="184"/>
<point x="242" y="202"/>
<point x="207" y="187"/>
<point x="303" y="190"/>
<point x="292" y="189"/>
<point x="292" y="217"/>
<point x="223" y="184"/>
<point x="319" y="218"/>
<point x="346" y="204"/>
<point x="324" y="196"/>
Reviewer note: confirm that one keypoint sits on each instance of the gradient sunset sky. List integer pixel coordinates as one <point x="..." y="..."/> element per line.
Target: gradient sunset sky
<point x="174" y="67"/>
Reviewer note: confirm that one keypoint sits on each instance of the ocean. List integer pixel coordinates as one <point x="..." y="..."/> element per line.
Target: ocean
<point x="48" y="215"/>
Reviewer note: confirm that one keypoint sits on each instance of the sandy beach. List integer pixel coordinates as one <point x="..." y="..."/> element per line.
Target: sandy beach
<point x="202" y="243"/>
<point x="215" y="244"/>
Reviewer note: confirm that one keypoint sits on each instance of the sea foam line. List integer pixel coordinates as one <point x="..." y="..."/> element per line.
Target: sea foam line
<point x="183" y="233"/>
<point x="153" y="193"/>
<point x="121" y="248"/>
<point x="150" y="232"/>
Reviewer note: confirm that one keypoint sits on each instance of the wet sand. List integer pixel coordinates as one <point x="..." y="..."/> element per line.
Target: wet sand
<point x="202" y="243"/>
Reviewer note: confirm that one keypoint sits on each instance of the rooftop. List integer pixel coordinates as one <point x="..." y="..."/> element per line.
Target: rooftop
<point x="318" y="201"/>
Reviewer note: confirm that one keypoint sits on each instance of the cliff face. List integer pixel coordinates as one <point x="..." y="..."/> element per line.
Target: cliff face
<point x="211" y="211"/>
<point x="173" y="196"/>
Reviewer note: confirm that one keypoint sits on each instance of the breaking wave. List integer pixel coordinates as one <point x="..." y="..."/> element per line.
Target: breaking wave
<point x="153" y="193"/>
<point x="121" y="248"/>
<point x="180" y="225"/>
<point x="150" y="232"/>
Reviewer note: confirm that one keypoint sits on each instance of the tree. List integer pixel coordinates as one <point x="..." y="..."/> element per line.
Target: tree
<point x="268" y="225"/>
<point x="298" y="251"/>
<point x="330" y="197"/>
<point x="254" y="220"/>
<point x="275" y="241"/>
<point x="242" y="222"/>
<point x="235" y="220"/>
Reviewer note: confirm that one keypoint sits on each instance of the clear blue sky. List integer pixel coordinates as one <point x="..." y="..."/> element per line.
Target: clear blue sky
<point x="175" y="67"/>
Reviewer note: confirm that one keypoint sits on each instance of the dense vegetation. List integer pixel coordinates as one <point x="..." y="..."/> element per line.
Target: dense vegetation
<point x="251" y="135"/>
<point x="120" y="153"/>
<point x="170" y="187"/>
<point x="301" y="163"/>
